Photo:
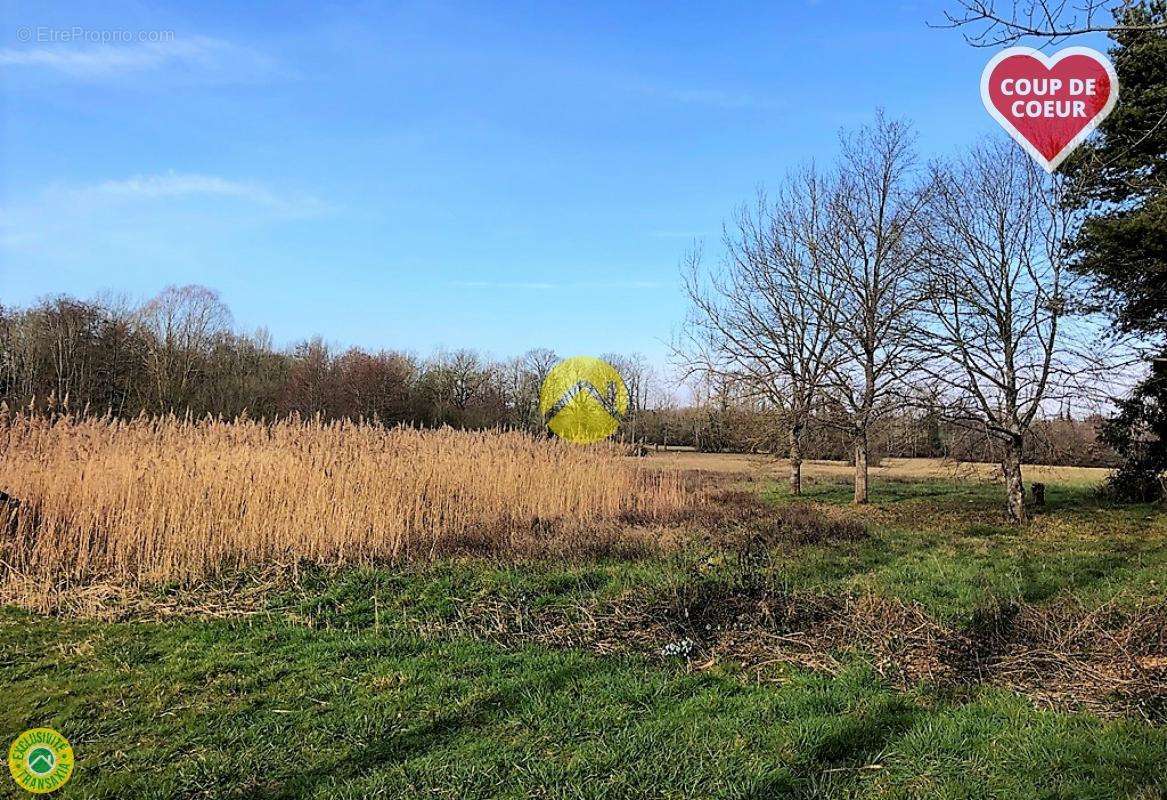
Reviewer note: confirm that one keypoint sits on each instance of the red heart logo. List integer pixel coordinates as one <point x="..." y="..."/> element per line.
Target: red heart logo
<point x="1049" y="104"/>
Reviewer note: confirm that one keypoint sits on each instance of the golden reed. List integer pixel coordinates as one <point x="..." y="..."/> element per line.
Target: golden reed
<point x="160" y="500"/>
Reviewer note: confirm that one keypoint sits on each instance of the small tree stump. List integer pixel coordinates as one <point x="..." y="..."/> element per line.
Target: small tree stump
<point x="1037" y="491"/>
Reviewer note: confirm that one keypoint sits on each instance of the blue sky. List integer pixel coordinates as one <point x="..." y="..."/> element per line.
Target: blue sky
<point x="418" y="175"/>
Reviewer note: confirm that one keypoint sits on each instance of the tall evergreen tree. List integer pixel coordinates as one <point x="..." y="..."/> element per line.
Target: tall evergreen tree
<point x="1121" y="183"/>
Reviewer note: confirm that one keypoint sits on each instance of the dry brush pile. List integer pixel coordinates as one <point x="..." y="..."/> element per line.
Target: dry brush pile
<point x="167" y="500"/>
<point x="1108" y="660"/>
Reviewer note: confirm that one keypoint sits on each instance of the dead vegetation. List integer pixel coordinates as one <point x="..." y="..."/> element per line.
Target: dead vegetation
<point x="732" y="610"/>
<point x="742" y="520"/>
<point x="1104" y="660"/>
<point x="158" y="501"/>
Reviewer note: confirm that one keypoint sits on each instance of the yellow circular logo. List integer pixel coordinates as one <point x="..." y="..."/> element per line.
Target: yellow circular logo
<point x="40" y="760"/>
<point x="583" y="399"/>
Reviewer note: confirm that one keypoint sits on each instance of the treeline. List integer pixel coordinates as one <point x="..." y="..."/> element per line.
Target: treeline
<point x="178" y="353"/>
<point x="912" y="433"/>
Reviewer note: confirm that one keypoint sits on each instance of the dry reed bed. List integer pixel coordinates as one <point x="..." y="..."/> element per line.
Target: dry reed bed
<point x="167" y="500"/>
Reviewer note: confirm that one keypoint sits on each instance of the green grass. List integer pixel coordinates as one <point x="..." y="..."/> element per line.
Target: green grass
<point x="358" y="704"/>
<point x="948" y="547"/>
<point x="194" y="709"/>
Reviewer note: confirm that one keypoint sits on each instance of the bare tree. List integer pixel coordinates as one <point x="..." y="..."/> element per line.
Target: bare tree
<point x="524" y="379"/>
<point x="995" y="24"/>
<point x="1000" y="300"/>
<point x="311" y="377"/>
<point x="67" y="352"/>
<point x="874" y="255"/>
<point x="184" y="323"/>
<point x="373" y="385"/>
<point x="761" y="319"/>
<point x="638" y="377"/>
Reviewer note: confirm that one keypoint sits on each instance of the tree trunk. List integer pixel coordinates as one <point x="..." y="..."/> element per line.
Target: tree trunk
<point x="1011" y="470"/>
<point x="795" y="460"/>
<point x="860" y="468"/>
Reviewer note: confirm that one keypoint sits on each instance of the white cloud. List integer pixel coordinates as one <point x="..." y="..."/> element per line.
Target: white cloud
<point x="175" y="185"/>
<point x="98" y="61"/>
<point x="157" y="211"/>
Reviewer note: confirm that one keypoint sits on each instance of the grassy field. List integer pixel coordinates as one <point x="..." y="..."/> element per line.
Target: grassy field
<point x="889" y="469"/>
<point x="919" y="647"/>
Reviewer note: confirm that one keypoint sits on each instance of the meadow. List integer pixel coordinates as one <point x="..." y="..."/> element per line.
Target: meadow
<point x="221" y="610"/>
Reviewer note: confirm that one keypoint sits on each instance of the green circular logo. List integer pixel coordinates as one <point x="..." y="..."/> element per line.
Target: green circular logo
<point x="583" y="399"/>
<point x="40" y="760"/>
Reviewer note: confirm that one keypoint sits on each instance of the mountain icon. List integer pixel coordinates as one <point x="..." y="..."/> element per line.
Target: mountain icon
<point x="583" y="399"/>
